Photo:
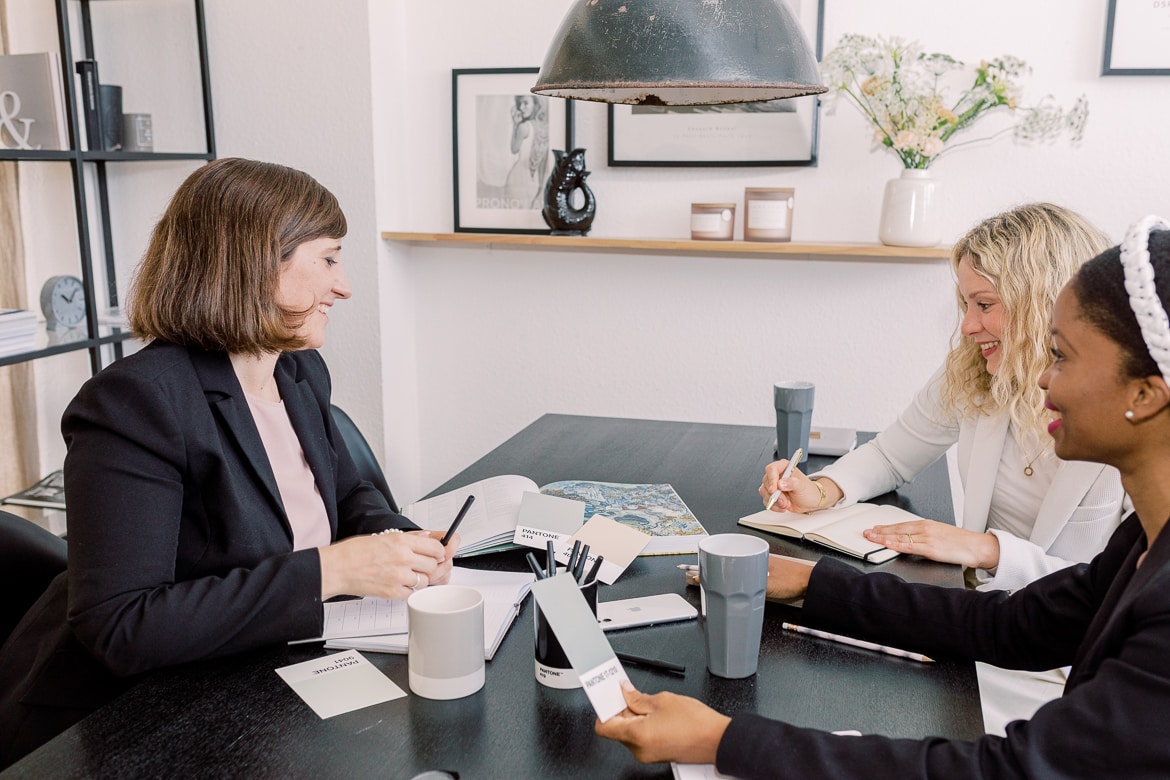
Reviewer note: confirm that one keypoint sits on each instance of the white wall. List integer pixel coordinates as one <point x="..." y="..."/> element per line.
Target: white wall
<point x="504" y="336"/>
<point x="290" y="83"/>
<point x="445" y="351"/>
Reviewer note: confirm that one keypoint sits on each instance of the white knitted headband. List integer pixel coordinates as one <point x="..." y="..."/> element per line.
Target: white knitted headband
<point x="1143" y="295"/>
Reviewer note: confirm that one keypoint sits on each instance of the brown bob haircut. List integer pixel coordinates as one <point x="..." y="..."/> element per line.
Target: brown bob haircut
<point x="209" y="276"/>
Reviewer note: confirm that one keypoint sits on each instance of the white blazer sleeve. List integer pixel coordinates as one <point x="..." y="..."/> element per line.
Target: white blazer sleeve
<point x="1082" y="536"/>
<point x="920" y="435"/>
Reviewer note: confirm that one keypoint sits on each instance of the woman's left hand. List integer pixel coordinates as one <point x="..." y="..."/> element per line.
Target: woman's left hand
<point x="939" y="542"/>
<point x="666" y="727"/>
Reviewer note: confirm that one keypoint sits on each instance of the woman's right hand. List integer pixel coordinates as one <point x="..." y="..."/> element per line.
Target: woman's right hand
<point x="798" y="493"/>
<point x="385" y="565"/>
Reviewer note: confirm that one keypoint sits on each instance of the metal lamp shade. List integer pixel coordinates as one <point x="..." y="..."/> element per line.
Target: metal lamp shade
<point x="679" y="53"/>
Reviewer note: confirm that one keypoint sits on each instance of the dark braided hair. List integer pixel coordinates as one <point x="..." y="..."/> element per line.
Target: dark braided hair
<point x="1100" y="289"/>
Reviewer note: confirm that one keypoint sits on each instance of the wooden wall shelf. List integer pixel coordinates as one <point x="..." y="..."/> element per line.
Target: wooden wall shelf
<point x="679" y="246"/>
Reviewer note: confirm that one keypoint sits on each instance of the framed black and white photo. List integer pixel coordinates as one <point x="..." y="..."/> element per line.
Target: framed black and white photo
<point x="767" y="133"/>
<point x="1137" y="38"/>
<point x="503" y="141"/>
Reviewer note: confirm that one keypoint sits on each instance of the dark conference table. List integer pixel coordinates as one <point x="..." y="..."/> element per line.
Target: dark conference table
<point x="235" y="717"/>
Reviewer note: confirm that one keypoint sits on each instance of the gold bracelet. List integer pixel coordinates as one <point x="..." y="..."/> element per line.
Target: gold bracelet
<point x="820" y="487"/>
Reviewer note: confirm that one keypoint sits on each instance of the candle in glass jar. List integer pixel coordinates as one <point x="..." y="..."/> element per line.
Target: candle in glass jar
<point x="767" y="213"/>
<point x="712" y="221"/>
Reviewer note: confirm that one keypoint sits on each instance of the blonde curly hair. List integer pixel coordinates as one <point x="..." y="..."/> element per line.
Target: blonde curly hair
<point x="1028" y="254"/>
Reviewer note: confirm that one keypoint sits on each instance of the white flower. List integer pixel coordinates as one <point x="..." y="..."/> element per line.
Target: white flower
<point x="904" y="93"/>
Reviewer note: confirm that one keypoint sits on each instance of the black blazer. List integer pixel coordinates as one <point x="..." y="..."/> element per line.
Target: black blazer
<point x="1108" y="618"/>
<point x="179" y="545"/>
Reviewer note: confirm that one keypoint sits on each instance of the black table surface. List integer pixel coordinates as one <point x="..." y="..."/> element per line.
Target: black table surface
<point x="235" y="717"/>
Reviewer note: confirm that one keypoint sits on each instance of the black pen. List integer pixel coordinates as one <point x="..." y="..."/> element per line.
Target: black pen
<point x="579" y="569"/>
<point x="573" y="556"/>
<point x="592" y="575"/>
<point x="651" y="663"/>
<point x="550" y="562"/>
<point x="535" y="565"/>
<point x="458" y="519"/>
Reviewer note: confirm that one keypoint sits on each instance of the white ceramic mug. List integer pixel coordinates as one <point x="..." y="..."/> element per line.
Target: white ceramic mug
<point x="445" y="645"/>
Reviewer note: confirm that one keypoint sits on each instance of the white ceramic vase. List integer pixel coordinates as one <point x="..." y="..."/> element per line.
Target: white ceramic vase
<point x="911" y="210"/>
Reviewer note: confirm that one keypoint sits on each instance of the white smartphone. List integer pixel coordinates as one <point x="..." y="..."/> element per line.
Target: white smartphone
<point x="644" y="611"/>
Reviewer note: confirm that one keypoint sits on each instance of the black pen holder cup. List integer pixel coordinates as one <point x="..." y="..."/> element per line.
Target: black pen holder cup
<point x="552" y="666"/>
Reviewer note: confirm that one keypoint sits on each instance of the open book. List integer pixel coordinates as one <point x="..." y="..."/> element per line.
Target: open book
<point x="838" y="528"/>
<point x="490" y="524"/>
<point x="382" y="626"/>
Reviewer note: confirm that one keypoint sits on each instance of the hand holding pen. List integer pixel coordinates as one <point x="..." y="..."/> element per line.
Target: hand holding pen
<point x="799" y="494"/>
<point x="776" y="493"/>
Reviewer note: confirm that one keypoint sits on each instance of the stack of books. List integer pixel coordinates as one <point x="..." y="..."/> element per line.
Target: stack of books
<point x="18" y="331"/>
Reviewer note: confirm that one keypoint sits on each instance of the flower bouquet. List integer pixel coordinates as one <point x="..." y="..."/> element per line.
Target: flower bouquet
<point x="904" y="93"/>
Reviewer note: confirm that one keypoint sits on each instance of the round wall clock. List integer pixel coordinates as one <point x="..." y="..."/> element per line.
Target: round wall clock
<point x="63" y="302"/>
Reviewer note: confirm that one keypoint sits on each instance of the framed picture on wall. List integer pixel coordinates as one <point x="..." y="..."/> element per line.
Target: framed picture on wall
<point x="767" y="133"/>
<point x="503" y="140"/>
<point x="1137" y="38"/>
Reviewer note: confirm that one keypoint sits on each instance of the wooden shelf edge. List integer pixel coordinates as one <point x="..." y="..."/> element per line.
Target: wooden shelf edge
<point x="875" y="251"/>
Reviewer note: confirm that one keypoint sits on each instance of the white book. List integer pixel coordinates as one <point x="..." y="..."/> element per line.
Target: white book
<point x="503" y="593"/>
<point x="30" y="91"/>
<point x="838" y="528"/>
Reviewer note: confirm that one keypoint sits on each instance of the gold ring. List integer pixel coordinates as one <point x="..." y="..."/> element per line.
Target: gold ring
<point x="909" y="537"/>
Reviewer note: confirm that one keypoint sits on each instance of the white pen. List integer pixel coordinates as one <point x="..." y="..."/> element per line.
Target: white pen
<point x="848" y="640"/>
<point x="796" y="456"/>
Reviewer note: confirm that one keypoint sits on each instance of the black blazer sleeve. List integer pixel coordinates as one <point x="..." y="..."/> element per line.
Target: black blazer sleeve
<point x="179" y="548"/>
<point x="1109" y="723"/>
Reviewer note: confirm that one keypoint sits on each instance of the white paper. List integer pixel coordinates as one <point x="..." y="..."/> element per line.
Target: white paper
<point x="339" y="683"/>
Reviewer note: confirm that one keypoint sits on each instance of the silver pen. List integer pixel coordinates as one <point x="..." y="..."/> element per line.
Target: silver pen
<point x="848" y="640"/>
<point x="796" y="456"/>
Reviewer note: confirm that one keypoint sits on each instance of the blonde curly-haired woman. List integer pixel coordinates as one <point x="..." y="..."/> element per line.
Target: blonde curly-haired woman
<point x="1025" y="512"/>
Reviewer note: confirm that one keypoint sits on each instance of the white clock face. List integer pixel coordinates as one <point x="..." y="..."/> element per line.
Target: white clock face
<point x="63" y="302"/>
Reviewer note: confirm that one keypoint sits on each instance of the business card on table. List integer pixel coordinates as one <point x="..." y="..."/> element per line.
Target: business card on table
<point x="544" y="517"/>
<point x="619" y="544"/>
<point x="339" y="683"/>
<point x="586" y="647"/>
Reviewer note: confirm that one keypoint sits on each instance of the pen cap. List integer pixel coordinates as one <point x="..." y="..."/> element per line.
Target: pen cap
<point x="445" y="647"/>
<point x="552" y="665"/>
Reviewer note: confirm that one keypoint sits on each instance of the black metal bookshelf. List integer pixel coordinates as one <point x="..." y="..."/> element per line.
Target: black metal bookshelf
<point x="97" y="334"/>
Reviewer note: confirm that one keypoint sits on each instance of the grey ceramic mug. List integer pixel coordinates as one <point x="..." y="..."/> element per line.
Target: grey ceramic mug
<point x="793" y="400"/>
<point x="733" y="571"/>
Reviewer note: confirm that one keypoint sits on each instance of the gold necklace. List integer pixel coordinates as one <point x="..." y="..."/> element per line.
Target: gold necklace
<point x="1028" y="469"/>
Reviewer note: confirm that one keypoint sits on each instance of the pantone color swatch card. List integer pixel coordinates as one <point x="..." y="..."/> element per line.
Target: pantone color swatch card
<point x="618" y="544"/>
<point x="586" y="647"/>
<point x="339" y="683"/>
<point x="547" y="517"/>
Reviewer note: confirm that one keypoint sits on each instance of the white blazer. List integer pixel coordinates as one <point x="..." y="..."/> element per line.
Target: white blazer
<point x="1077" y="516"/>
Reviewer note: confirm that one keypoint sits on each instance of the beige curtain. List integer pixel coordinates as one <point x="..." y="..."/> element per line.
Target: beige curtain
<point x="19" y="456"/>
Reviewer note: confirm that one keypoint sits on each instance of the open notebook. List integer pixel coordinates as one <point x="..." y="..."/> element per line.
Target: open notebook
<point x="381" y="626"/>
<point x="838" y="528"/>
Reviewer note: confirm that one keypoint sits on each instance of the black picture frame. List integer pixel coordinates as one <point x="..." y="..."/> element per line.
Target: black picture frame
<point x="1132" y="44"/>
<point x="778" y="133"/>
<point x="498" y="190"/>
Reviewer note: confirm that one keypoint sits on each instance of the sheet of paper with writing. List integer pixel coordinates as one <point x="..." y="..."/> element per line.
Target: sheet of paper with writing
<point x="339" y="683"/>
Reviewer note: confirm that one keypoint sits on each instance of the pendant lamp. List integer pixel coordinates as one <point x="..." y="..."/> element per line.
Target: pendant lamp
<point x="679" y="53"/>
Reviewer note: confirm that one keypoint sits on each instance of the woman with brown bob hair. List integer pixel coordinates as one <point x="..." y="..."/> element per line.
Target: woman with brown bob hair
<point x="213" y="505"/>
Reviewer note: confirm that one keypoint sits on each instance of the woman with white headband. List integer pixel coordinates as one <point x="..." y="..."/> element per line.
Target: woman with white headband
<point x="1025" y="513"/>
<point x="1109" y="387"/>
